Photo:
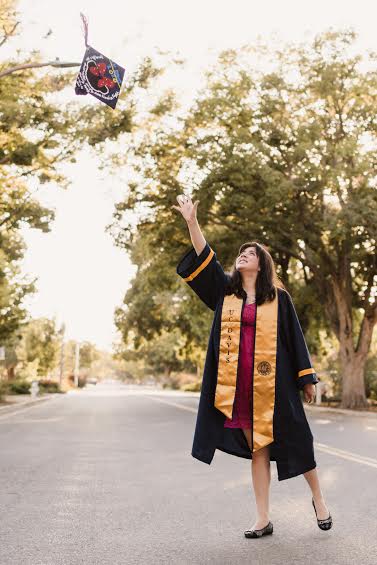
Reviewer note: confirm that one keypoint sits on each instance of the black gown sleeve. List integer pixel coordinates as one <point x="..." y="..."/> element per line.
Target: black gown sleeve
<point x="204" y="274"/>
<point x="305" y="373"/>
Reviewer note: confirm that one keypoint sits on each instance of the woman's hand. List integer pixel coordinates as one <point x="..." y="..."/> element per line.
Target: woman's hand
<point x="309" y="392"/>
<point x="187" y="208"/>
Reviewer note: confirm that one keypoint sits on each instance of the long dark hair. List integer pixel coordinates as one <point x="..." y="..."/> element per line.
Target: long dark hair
<point x="267" y="279"/>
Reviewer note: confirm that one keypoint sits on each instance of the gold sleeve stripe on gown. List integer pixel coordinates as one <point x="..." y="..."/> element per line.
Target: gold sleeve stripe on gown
<point x="306" y="372"/>
<point x="201" y="267"/>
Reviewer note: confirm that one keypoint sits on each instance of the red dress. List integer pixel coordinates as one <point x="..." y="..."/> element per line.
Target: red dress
<point x="242" y="400"/>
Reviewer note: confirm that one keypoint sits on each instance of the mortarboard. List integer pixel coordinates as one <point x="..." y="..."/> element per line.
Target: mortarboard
<point x="99" y="76"/>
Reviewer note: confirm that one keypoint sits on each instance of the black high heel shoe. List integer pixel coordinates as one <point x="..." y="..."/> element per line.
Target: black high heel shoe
<point x="259" y="533"/>
<point x="323" y="524"/>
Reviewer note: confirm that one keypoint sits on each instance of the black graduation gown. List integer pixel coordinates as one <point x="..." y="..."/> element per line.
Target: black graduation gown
<point x="292" y="445"/>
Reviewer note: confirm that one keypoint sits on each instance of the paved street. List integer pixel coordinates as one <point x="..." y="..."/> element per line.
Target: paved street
<point x="105" y="476"/>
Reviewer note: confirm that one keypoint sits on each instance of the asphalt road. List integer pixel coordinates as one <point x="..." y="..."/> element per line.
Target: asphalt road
<point x="105" y="476"/>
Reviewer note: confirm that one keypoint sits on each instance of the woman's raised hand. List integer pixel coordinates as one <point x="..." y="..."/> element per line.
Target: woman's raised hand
<point x="186" y="207"/>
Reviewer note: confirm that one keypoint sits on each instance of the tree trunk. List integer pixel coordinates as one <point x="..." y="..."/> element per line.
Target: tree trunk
<point x="353" y="385"/>
<point x="352" y="361"/>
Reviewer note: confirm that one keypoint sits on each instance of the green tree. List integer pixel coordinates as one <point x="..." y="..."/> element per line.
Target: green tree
<point x="286" y="157"/>
<point x="88" y="354"/>
<point x="37" y="135"/>
<point x="39" y="342"/>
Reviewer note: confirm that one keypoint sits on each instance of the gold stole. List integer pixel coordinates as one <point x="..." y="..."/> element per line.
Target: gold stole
<point x="264" y="365"/>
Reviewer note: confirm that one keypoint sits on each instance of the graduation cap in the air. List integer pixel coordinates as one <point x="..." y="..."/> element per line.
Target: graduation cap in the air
<point x="99" y="76"/>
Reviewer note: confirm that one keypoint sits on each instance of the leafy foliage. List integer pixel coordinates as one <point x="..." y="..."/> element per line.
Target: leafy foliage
<point x="285" y="156"/>
<point x="38" y="133"/>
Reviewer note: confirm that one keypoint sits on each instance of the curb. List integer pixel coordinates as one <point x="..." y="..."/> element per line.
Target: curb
<point x="345" y="411"/>
<point x="314" y="408"/>
<point x="10" y="408"/>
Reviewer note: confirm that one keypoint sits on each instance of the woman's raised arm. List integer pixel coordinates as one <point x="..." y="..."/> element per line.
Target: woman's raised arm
<point x="199" y="267"/>
<point x="188" y="210"/>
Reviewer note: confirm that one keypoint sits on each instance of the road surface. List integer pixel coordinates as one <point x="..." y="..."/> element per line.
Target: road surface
<point x="105" y="476"/>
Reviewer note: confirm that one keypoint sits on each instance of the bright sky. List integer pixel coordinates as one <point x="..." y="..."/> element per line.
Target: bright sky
<point x="82" y="277"/>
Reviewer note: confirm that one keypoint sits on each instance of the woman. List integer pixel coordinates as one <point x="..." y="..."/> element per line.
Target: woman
<point x="257" y="362"/>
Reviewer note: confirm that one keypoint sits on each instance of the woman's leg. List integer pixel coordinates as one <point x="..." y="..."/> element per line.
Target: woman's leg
<point x="313" y="481"/>
<point x="261" y="477"/>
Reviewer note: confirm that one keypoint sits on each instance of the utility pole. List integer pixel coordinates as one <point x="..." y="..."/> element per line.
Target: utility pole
<point x="61" y="364"/>
<point x="77" y="364"/>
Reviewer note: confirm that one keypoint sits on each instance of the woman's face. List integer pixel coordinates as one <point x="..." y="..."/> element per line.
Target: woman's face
<point x="247" y="260"/>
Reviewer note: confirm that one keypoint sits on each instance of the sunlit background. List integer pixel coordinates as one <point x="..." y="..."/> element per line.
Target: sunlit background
<point x="82" y="276"/>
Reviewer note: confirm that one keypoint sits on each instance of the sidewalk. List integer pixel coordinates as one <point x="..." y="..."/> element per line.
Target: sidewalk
<point x="310" y="407"/>
<point x="313" y="408"/>
<point x="15" y="402"/>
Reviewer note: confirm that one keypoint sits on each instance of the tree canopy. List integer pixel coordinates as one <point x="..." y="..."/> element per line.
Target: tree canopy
<point x="38" y="134"/>
<point x="285" y="156"/>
